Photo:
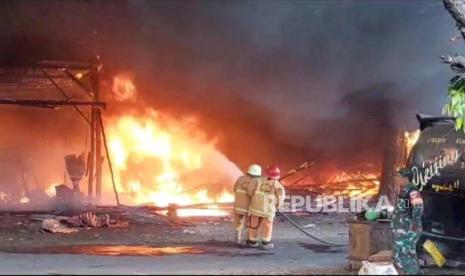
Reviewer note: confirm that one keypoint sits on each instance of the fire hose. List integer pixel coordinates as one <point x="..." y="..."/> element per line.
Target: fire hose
<point x="295" y="224"/>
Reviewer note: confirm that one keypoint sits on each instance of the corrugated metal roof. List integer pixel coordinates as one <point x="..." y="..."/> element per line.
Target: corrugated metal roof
<point x="32" y="80"/>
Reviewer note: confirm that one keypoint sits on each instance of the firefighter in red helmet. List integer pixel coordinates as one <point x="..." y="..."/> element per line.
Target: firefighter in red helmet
<point x="266" y="196"/>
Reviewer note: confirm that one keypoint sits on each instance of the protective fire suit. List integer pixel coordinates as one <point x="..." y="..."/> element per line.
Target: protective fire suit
<point x="266" y="196"/>
<point x="241" y="203"/>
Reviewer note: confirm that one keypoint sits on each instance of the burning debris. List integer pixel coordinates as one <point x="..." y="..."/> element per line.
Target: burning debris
<point x="353" y="183"/>
<point x="63" y="224"/>
<point x="362" y="181"/>
<point x="89" y="219"/>
<point x="55" y="226"/>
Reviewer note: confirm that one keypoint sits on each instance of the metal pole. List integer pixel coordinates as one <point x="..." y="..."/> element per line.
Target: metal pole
<point x="108" y="158"/>
<point x="91" y="157"/>
<point x="98" y="137"/>
<point x="98" y="158"/>
<point x="93" y="129"/>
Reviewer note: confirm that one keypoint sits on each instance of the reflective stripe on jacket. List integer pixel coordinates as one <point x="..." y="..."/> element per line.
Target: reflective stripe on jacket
<point x="267" y="196"/>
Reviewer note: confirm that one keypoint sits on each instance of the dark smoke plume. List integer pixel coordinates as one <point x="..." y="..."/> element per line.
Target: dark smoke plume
<point x="279" y="81"/>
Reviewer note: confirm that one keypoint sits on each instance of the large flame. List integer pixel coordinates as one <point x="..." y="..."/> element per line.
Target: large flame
<point x="161" y="160"/>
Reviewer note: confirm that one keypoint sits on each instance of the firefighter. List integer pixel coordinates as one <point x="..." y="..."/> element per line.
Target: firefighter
<point x="406" y="226"/>
<point x="266" y="196"/>
<point x="242" y="198"/>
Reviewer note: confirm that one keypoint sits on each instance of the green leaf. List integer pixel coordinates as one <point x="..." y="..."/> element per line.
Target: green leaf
<point x="458" y="123"/>
<point x="454" y="100"/>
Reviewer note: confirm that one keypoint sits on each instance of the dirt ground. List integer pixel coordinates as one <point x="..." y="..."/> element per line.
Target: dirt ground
<point x="213" y="236"/>
<point x="19" y="234"/>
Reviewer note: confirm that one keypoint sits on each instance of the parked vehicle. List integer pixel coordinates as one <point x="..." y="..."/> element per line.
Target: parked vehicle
<point x="443" y="185"/>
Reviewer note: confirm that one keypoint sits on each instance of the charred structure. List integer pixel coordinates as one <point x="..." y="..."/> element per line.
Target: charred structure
<point x="53" y="85"/>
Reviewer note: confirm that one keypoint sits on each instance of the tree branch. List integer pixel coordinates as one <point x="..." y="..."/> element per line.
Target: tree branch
<point x="457" y="63"/>
<point x="456" y="8"/>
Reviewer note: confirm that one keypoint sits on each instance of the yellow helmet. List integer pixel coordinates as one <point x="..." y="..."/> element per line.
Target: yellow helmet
<point x="255" y="170"/>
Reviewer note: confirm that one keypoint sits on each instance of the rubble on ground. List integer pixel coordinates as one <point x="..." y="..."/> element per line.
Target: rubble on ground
<point x="63" y="224"/>
<point x="55" y="226"/>
<point x="102" y="217"/>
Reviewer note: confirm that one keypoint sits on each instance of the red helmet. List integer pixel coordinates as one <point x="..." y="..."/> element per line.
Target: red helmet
<point x="273" y="172"/>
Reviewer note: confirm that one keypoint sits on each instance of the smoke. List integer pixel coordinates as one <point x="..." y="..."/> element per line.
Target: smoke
<point x="277" y="81"/>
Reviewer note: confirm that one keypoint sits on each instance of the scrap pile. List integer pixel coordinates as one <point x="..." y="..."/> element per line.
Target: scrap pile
<point x="106" y="217"/>
<point x="71" y="224"/>
<point x="89" y="219"/>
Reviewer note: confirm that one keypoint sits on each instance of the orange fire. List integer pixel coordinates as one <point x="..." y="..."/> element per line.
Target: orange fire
<point x="124" y="88"/>
<point x="360" y="185"/>
<point x="161" y="160"/>
<point x="411" y="139"/>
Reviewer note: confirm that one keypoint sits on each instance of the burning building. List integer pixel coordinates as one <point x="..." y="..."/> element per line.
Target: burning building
<point x="156" y="159"/>
<point x="193" y="107"/>
<point x="153" y="157"/>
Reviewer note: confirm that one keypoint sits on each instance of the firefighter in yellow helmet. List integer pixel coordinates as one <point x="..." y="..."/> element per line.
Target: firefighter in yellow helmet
<point x="267" y="195"/>
<point x="242" y="198"/>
